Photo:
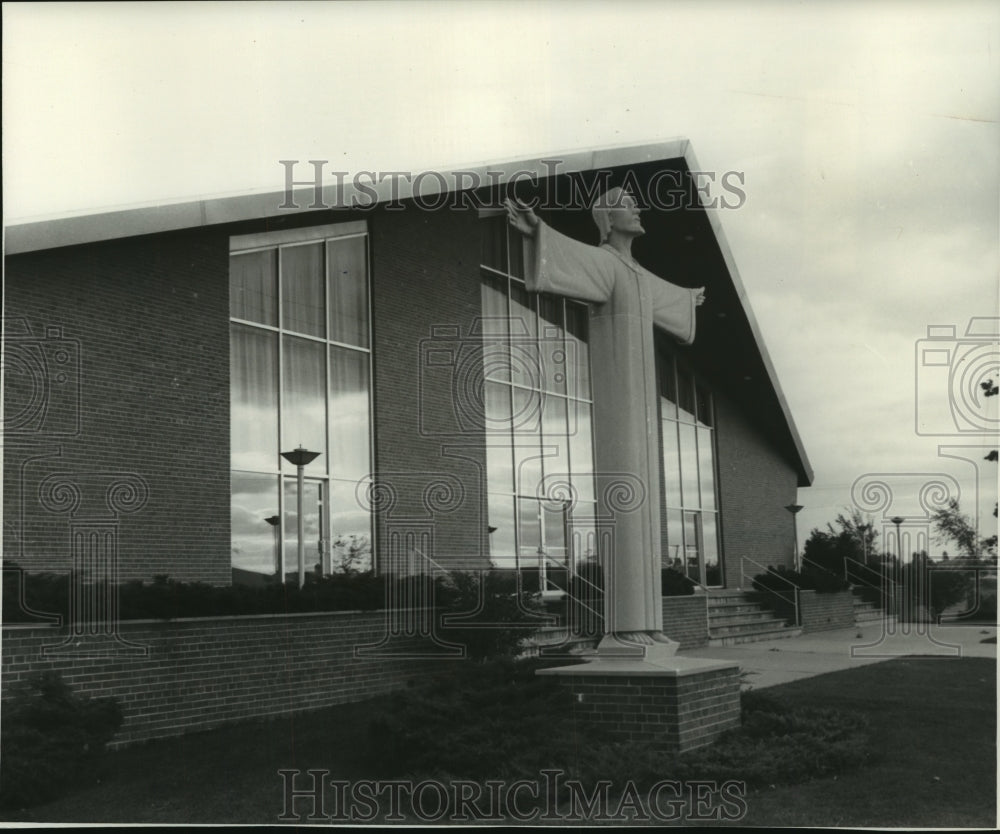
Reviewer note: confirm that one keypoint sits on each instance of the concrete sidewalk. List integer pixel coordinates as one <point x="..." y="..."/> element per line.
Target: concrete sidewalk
<point x="771" y="662"/>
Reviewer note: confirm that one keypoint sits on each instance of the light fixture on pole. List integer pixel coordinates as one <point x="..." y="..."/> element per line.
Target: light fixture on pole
<point x="274" y="521"/>
<point x="299" y="459"/>
<point x="794" y="510"/>
<point x="898" y="520"/>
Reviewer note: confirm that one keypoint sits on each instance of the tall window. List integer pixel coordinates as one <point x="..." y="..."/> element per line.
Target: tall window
<point x="538" y="412"/>
<point x="691" y="510"/>
<point x="299" y="376"/>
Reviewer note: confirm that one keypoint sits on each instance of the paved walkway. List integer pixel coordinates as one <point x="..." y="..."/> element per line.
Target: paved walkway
<point x="771" y="662"/>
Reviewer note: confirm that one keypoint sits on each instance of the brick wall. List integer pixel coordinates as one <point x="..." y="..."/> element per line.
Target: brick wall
<point x="202" y="673"/>
<point x="425" y="280"/>
<point x="755" y="485"/>
<point x="820" y="612"/>
<point x="682" y="710"/>
<point x="685" y="619"/>
<point x="145" y="399"/>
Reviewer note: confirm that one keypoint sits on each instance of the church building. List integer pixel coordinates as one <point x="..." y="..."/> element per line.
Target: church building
<point x="160" y="360"/>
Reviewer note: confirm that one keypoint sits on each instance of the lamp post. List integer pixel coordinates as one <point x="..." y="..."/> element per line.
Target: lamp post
<point x="794" y="510"/>
<point x="299" y="458"/>
<point x="904" y="602"/>
<point x="274" y="521"/>
<point x="898" y="520"/>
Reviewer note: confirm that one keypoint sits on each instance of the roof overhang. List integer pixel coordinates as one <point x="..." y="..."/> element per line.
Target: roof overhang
<point x="53" y="232"/>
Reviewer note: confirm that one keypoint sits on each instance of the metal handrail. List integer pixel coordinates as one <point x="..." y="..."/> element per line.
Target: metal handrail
<point x="542" y="554"/>
<point x="886" y="586"/>
<point x="765" y="569"/>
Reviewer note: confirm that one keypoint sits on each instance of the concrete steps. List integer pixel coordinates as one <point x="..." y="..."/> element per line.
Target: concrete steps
<point x="736" y="617"/>
<point x="866" y="611"/>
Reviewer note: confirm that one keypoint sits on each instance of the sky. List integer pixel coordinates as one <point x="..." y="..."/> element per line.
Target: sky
<point x="867" y="134"/>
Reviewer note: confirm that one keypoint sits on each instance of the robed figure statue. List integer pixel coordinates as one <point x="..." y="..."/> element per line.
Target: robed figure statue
<point x="627" y="302"/>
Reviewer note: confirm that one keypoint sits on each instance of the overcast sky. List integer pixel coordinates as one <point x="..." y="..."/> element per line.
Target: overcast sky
<point x="867" y="134"/>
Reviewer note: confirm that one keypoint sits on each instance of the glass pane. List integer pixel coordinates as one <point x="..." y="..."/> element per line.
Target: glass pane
<point x="348" y="274"/>
<point x="668" y="388"/>
<point x="350" y="530"/>
<point x="692" y="546"/>
<point x="551" y="345"/>
<point x="253" y="287"/>
<point x="529" y="533"/>
<point x="502" y="541"/>
<point x="554" y="520"/>
<point x="312" y="536"/>
<point x="526" y="414"/>
<point x="581" y="450"/>
<point x="253" y="356"/>
<point x="689" y="466"/>
<point x="495" y="331"/>
<point x="704" y="406"/>
<point x="255" y="551"/>
<point x="673" y="553"/>
<point x="710" y="543"/>
<point x="706" y="469"/>
<point x="494" y="240"/>
<point x="685" y="396"/>
<point x="583" y="535"/>
<point x="522" y="312"/>
<point x="499" y="459"/>
<point x="349" y="419"/>
<point x="302" y="303"/>
<point x="577" y="350"/>
<point x="671" y="464"/>
<point x="303" y="416"/>
<point x="515" y="248"/>
<point x="527" y="448"/>
<point x="556" y="461"/>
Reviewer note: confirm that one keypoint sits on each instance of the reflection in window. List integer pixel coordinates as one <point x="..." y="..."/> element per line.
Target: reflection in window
<point x="691" y="519"/>
<point x="299" y="353"/>
<point x="538" y="437"/>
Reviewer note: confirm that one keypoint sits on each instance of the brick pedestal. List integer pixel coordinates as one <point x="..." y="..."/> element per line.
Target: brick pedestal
<point x="683" y="707"/>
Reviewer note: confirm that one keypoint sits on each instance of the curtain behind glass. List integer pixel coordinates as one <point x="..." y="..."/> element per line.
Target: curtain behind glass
<point x="253" y="398"/>
<point x="302" y="301"/>
<point x="304" y="399"/>
<point x="347" y="266"/>
<point x="253" y="287"/>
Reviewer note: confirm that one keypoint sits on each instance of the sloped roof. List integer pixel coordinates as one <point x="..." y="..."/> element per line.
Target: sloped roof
<point x="750" y="362"/>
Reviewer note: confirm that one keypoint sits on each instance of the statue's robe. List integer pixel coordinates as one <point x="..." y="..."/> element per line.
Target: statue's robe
<point x="627" y="302"/>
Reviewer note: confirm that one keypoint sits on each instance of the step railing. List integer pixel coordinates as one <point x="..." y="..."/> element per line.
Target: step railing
<point x="590" y="619"/>
<point x="788" y="596"/>
<point x="854" y="573"/>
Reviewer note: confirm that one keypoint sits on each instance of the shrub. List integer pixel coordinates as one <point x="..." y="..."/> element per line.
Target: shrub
<point x="51" y="740"/>
<point x="675" y="584"/>
<point x="499" y="720"/>
<point x="820" y="581"/>
<point x="499" y="615"/>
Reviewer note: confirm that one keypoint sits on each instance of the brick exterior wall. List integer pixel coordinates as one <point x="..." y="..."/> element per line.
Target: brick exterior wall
<point x="682" y="711"/>
<point x="821" y="612"/>
<point x="425" y="281"/>
<point x="145" y="321"/>
<point x="755" y="485"/>
<point x="199" y="674"/>
<point x="685" y="619"/>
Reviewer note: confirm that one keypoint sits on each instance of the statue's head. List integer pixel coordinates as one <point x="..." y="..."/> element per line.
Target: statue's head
<point x="617" y="209"/>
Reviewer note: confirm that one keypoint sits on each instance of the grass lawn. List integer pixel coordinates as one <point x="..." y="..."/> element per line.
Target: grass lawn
<point x="933" y="724"/>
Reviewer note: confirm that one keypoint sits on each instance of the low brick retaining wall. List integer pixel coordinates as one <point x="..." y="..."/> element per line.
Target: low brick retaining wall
<point x="196" y="674"/>
<point x="821" y="612"/>
<point x="681" y="710"/>
<point x="685" y="619"/>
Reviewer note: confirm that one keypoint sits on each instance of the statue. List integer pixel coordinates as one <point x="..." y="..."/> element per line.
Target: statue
<point x="628" y="301"/>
